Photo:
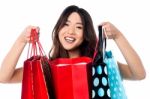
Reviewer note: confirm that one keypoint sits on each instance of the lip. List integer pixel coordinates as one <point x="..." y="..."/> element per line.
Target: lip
<point x="69" y="39"/>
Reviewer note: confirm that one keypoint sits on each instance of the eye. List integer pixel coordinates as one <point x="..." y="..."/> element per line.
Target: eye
<point x="66" y="24"/>
<point x="79" y="27"/>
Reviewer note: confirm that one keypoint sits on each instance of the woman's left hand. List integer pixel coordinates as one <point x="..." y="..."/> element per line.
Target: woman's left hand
<point x="111" y="32"/>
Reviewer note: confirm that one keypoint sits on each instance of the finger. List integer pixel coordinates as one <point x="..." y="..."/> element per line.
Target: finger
<point x="104" y="23"/>
<point x="36" y="28"/>
<point x="104" y="31"/>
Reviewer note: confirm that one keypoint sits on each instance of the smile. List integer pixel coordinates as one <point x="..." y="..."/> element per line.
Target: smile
<point x="69" y="39"/>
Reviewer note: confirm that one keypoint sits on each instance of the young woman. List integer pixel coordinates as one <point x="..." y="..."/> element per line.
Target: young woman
<point x="73" y="36"/>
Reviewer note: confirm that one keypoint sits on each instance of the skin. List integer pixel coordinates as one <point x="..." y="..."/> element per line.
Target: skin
<point x="71" y="35"/>
<point x="73" y="29"/>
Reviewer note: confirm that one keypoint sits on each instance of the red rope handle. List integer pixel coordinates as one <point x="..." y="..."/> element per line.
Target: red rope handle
<point x="34" y="38"/>
<point x="95" y="51"/>
<point x="36" y="45"/>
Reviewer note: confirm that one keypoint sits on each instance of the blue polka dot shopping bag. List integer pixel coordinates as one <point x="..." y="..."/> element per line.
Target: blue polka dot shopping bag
<point x="106" y="79"/>
<point x="114" y="79"/>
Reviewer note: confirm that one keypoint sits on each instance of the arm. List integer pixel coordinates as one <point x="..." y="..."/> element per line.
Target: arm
<point x="134" y="69"/>
<point x="8" y="71"/>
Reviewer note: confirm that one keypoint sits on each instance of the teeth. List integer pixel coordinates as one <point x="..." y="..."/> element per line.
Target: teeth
<point x="69" y="39"/>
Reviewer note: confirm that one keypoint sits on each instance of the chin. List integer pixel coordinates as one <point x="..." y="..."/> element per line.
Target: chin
<point x="69" y="49"/>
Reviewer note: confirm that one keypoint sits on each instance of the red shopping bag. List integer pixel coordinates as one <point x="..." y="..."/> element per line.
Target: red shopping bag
<point x="72" y="78"/>
<point x="37" y="79"/>
<point x="39" y="84"/>
<point x="27" y="86"/>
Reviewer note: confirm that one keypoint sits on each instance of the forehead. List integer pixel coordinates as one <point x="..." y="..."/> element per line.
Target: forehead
<point x="74" y="17"/>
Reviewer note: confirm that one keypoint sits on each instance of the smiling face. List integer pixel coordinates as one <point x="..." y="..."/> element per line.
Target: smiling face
<point x="71" y="34"/>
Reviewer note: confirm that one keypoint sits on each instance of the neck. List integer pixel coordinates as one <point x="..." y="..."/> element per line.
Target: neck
<point x="74" y="54"/>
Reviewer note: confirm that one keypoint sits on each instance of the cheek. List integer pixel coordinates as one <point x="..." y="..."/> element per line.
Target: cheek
<point x="81" y="39"/>
<point x="61" y="32"/>
<point x="80" y="35"/>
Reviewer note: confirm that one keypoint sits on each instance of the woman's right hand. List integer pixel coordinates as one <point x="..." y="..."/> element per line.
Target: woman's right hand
<point x="25" y="35"/>
<point x="8" y="71"/>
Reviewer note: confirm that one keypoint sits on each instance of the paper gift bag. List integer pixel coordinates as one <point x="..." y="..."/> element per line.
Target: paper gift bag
<point x="117" y="90"/>
<point x="72" y="78"/>
<point x="36" y="82"/>
<point x="27" y="84"/>
<point x="39" y="83"/>
<point x="100" y="85"/>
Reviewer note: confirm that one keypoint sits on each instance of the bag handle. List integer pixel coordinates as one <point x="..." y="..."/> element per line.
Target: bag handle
<point x="36" y="46"/>
<point x="100" y="45"/>
<point x="102" y="41"/>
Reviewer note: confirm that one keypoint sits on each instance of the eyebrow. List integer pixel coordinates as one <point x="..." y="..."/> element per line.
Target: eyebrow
<point x="76" y="23"/>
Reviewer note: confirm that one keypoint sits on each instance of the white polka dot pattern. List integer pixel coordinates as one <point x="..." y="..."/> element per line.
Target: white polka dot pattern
<point x="100" y="87"/>
<point x="114" y="78"/>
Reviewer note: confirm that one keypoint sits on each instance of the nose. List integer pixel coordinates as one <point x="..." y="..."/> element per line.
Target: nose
<point x="71" y="30"/>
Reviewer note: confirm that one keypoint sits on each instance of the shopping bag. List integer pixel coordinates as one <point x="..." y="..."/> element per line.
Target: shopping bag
<point x="27" y="86"/>
<point x="100" y="85"/>
<point x="114" y="81"/>
<point x="37" y="77"/>
<point x="117" y="90"/>
<point x="72" y="78"/>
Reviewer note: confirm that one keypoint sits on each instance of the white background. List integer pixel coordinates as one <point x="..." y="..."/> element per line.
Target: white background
<point x="130" y="16"/>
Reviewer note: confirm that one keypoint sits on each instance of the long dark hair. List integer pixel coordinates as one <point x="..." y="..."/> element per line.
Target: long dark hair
<point x="88" y="45"/>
